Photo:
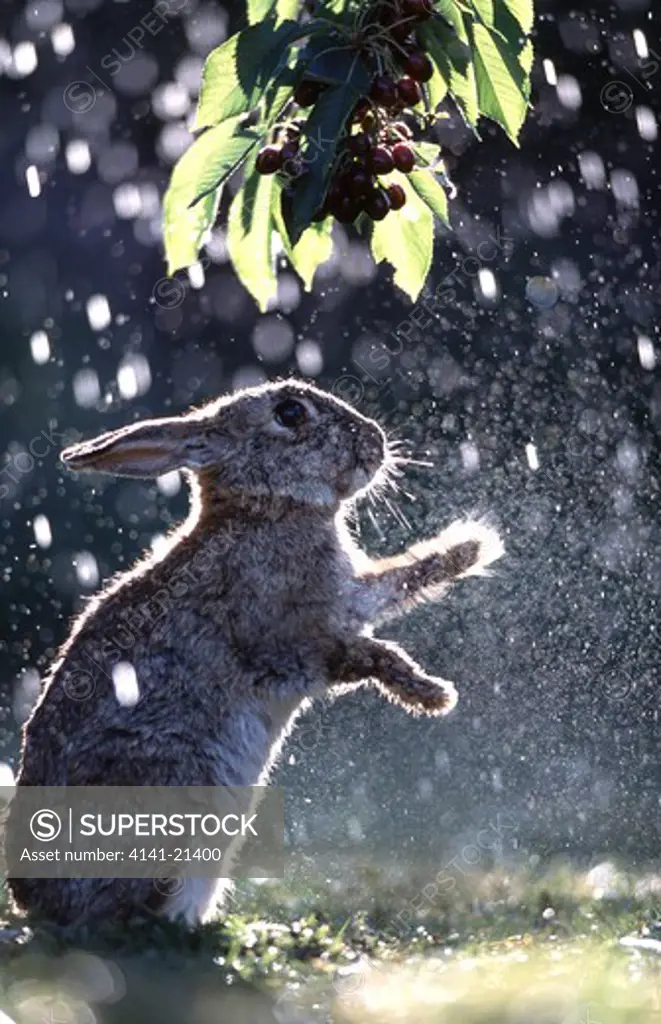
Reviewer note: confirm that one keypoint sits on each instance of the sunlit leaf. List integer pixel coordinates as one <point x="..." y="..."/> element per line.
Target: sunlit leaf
<point x="451" y="11"/>
<point x="236" y="74"/>
<point x="313" y="248"/>
<point x="433" y="194"/>
<point x="512" y="18"/>
<point x="191" y="201"/>
<point x="250" y="235"/>
<point x="449" y="50"/>
<point x="259" y="10"/>
<point x="428" y="152"/>
<point x="405" y="239"/>
<point x="437" y="87"/>
<point x="502" y="83"/>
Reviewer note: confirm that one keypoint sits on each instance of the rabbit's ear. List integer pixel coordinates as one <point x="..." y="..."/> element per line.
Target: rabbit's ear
<point x="145" y="449"/>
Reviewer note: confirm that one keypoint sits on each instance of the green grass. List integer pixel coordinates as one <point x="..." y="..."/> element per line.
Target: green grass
<point x="500" y="948"/>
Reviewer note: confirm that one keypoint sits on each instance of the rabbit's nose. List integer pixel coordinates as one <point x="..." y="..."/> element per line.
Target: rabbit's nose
<point x="370" y="452"/>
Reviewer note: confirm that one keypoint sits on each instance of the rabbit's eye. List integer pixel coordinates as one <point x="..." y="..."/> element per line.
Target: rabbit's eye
<point x="291" y="413"/>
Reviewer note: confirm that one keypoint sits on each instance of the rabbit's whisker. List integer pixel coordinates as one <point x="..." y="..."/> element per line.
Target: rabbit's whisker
<point x="397" y="513"/>
<point x="402" y="460"/>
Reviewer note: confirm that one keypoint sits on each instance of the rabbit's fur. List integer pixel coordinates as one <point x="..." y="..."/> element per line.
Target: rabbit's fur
<point x="259" y="602"/>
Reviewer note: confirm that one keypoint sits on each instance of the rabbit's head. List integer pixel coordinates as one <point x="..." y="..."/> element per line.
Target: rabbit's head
<point x="277" y="440"/>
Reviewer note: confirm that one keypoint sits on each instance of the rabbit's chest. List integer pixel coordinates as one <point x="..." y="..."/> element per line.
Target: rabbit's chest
<point x="296" y="591"/>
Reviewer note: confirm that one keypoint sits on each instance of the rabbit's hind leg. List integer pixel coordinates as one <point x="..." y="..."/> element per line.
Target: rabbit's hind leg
<point x="84" y="901"/>
<point x="195" y="900"/>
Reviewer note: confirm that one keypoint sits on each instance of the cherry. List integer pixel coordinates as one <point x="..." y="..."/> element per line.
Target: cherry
<point x="269" y="160"/>
<point x="347" y="209"/>
<point x="385" y="13"/>
<point x="403" y="157"/>
<point x="396" y="196"/>
<point x="409" y="91"/>
<point x="401" y="130"/>
<point x="381" y="160"/>
<point x="359" y="183"/>
<point x="289" y="150"/>
<point x="307" y="92"/>
<point x="419" y="9"/>
<point x="419" y="66"/>
<point x="377" y="204"/>
<point x="401" y="31"/>
<point x="384" y="91"/>
<point x="359" y="144"/>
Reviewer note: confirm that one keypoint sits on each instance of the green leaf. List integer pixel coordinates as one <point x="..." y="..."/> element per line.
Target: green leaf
<point x="449" y="10"/>
<point x="502" y="83"/>
<point x="326" y="60"/>
<point x="428" y="152"/>
<point x="522" y="11"/>
<point x="313" y="248"/>
<point x="250" y="235"/>
<point x="334" y="8"/>
<point x="525" y="59"/>
<point x="191" y="201"/>
<point x="237" y="73"/>
<point x="406" y="240"/>
<point x="437" y="88"/>
<point x="432" y="194"/>
<point x="276" y="98"/>
<point x="512" y="18"/>
<point x="183" y="235"/>
<point x="449" y="49"/>
<point x="259" y="10"/>
<point x="323" y="129"/>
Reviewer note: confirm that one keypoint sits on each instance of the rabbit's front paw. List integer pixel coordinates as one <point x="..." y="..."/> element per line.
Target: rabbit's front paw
<point x="420" y="694"/>
<point x="434" y="696"/>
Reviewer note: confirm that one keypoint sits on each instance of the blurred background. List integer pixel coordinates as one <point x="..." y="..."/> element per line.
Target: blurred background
<point x="532" y="386"/>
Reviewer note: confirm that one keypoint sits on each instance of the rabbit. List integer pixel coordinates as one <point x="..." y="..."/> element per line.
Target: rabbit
<point x="259" y="602"/>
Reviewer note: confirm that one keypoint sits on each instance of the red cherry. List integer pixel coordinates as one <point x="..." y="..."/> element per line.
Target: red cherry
<point x="409" y="91"/>
<point x="359" y="183"/>
<point x="400" y="130"/>
<point x="396" y="196"/>
<point x="347" y="209"/>
<point x="381" y="160"/>
<point x="401" y="30"/>
<point x="269" y="160"/>
<point x="419" y="9"/>
<point x="403" y="157"/>
<point x="307" y="93"/>
<point x="377" y="204"/>
<point x="384" y="91"/>
<point x="419" y="66"/>
<point x="359" y="144"/>
<point x="289" y="150"/>
<point x="385" y="13"/>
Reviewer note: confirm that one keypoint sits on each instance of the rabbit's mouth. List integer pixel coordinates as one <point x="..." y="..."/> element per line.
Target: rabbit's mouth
<point x="355" y="481"/>
<point x="361" y="478"/>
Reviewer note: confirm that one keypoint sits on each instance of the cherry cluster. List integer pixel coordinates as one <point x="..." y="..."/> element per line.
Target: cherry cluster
<point x="376" y="143"/>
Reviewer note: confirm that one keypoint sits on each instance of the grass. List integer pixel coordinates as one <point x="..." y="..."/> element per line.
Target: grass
<point x="544" y="948"/>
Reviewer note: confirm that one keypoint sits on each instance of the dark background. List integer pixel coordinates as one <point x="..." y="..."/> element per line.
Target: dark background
<point x="556" y="657"/>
